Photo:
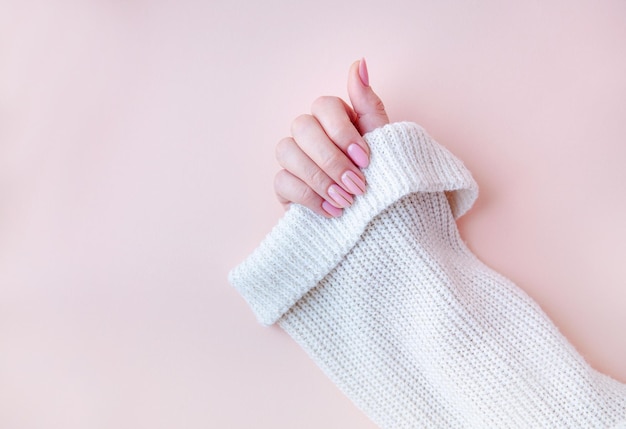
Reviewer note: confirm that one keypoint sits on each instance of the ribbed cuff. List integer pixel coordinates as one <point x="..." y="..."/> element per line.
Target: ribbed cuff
<point x="303" y="247"/>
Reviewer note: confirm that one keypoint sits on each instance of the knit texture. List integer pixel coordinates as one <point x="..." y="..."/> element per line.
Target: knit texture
<point x="406" y="321"/>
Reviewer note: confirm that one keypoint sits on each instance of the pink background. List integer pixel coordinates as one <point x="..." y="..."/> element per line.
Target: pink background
<point x="136" y="168"/>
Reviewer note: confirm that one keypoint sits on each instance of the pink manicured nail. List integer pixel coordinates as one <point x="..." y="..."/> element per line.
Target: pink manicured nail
<point x="358" y="155"/>
<point x="353" y="182"/>
<point x="363" y="74"/>
<point x="330" y="209"/>
<point x="339" y="196"/>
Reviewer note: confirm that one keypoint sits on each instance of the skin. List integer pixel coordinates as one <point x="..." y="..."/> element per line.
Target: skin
<point x="316" y="155"/>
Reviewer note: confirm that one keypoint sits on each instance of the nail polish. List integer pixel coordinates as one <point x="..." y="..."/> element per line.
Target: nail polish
<point x="339" y="196"/>
<point x="353" y="182"/>
<point x="363" y="74"/>
<point x="330" y="209"/>
<point x="358" y="155"/>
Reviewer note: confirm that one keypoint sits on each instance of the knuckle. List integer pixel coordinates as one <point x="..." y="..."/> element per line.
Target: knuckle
<point x="279" y="182"/>
<point x="332" y="162"/>
<point x="301" y="123"/>
<point x="281" y="148"/>
<point x="307" y="196"/>
<point x="343" y="134"/>
<point x="317" y="178"/>
<point x="279" y="177"/>
<point x="379" y="106"/>
<point x="323" y="102"/>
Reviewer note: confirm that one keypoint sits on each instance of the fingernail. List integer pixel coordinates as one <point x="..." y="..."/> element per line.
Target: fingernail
<point x="363" y="74"/>
<point x="358" y="155"/>
<point x="330" y="209"/>
<point x="339" y="196"/>
<point x="353" y="182"/>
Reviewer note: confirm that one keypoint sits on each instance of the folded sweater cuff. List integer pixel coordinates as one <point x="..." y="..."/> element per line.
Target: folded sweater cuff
<point x="303" y="247"/>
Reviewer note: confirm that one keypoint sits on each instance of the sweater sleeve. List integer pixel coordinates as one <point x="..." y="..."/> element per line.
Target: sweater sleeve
<point x="406" y="321"/>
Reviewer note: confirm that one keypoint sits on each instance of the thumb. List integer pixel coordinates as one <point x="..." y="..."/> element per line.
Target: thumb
<point x="369" y="108"/>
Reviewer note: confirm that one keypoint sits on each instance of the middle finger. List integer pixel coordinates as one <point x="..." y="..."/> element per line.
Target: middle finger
<point x="311" y="138"/>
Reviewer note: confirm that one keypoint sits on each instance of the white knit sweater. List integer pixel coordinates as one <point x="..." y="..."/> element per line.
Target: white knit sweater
<point x="392" y="305"/>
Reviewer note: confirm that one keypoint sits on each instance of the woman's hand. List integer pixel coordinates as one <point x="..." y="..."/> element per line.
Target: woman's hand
<point x="321" y="160"/>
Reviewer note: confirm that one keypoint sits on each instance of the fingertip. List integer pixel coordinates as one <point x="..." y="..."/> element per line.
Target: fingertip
<point x="354" y="76"/>
<point x="363" y="74"/>
<point x="355" y="65"/>
<point x="331" y="210"/>
<point x="358" y="155"/>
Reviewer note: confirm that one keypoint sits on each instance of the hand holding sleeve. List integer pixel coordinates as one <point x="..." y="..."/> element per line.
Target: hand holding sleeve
<point x="392" y="305"/>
